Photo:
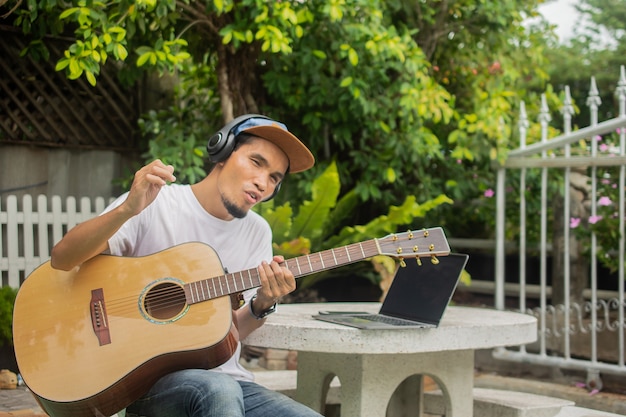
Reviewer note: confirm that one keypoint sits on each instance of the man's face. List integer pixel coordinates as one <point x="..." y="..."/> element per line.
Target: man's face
<point x="250" y="175"/>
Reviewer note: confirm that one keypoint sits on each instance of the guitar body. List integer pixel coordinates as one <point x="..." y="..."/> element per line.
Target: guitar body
<point x="93" y="340"/>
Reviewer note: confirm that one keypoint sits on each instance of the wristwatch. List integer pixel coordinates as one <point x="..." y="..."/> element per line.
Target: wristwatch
<point x="263" y="313"/>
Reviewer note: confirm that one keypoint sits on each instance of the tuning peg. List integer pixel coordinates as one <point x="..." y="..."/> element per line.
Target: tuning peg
<point x="434" y="260"/>
<point x="402" y="263"/>
<point x="419" y="261"/>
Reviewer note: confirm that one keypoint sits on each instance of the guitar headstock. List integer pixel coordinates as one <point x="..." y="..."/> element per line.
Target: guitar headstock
<point x="424" y="243"/>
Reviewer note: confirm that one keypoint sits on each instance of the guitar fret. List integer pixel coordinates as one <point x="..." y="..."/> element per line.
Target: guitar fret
<point x="227" y="286"/>
<point x="214" y="288"/>
<point x="240" y="280"/>
<point x="298" y="265"/>
<point x="348" y="254"/>
<point x="250" y="278"/>
<point x="322" y="260"/>
<point x="202" y="289"/>
<point x="334" y="257"/>
<point x="308" y="258"/>
<point x="197" y="291"/>
<point x="362" y="251"/>
<point x="208" y="289"/>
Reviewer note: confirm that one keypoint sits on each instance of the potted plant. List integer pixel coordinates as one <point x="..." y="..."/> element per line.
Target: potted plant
<point x="7" y="354"/>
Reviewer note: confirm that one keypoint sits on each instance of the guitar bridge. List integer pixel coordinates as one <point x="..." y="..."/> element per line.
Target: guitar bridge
<point x="99" y="318"/>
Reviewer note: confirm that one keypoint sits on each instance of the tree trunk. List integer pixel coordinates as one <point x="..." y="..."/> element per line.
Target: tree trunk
<point x="236" y="80"/>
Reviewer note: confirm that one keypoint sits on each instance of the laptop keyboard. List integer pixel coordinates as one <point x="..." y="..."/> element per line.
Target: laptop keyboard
<point x="388" y="320"/>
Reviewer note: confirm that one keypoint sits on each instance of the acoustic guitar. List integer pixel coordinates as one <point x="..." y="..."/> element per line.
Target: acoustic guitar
<point x="91" y="341"/>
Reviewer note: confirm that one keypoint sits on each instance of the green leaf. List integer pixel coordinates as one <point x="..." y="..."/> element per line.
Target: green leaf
<point x="312" y="214"/>
<point x="293" y="248"/>
<point x="63" y="63"/>
<point x="121" y="52"/>
<point x="280" y="220"/>
<point x="353" y="57"/>
<point x="68" y="13"/>
<point x="91" y="78"/>
<point x="346" y="82"/>
<point x="319" y="54"/>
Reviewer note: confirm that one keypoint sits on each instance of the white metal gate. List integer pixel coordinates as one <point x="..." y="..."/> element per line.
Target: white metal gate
<point x="597" y="154"/>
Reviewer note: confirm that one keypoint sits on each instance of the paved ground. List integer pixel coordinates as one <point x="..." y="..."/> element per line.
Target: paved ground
<point x="18" y="402"/>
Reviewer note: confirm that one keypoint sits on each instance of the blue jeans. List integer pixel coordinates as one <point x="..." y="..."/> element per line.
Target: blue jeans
<point x="202" y="393"/>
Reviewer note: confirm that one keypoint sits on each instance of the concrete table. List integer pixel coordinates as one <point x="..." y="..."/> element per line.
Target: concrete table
<point x="372" y="364"/>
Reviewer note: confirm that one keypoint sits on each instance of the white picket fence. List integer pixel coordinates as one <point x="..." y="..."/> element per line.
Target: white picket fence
<point x="28" y="232"/>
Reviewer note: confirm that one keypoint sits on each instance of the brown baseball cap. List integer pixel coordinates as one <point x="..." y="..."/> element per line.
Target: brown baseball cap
<point x="300" y="157"/>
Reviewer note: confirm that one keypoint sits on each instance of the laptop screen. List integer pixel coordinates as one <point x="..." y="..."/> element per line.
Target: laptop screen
<point x="422" y="293"/>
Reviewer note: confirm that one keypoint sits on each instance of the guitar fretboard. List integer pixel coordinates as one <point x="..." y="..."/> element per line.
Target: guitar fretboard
<point x="210" y="288"/>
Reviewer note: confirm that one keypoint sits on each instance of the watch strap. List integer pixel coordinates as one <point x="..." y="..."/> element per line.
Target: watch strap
<point x="264" y="313"/>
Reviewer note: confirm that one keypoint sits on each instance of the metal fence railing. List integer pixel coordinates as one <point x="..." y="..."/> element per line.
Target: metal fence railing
<point x="577" y="211"/>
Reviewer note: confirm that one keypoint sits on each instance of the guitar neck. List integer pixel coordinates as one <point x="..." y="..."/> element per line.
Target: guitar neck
<point x="210" y="288"/>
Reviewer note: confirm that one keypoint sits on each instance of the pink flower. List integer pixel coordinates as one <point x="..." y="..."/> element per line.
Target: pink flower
<point x="574" y="222"/>
<point x="604" y="147"/>
<point x="594" y="219"/>
<point x="598" y="138"/>
<point x="604" y="201"/>
<point x="489" y="193"/>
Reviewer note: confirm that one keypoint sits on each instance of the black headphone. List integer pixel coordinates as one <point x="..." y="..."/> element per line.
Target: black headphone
<point x="222" y="143"/>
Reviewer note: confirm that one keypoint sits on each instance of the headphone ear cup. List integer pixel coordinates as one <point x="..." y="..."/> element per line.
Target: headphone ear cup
<point x="276" y="190"/>
<point x="221" y="144"/>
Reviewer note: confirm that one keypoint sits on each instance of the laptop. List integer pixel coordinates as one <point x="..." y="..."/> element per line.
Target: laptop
<point x="417" y="298"/>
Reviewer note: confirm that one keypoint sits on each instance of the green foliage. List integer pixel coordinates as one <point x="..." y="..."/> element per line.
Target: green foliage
<point x="317" y="224"/>
<point x="7" y="300"/>
<point x="405" y="111"/>
<point x="405" y="97"/>
<point x="148" y="32"/>
<point x="178" y="134"/>
<point x="104" y="30"/>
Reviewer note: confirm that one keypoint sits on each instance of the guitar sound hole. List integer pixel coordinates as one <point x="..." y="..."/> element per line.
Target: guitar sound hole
<point x="165" y="301"/>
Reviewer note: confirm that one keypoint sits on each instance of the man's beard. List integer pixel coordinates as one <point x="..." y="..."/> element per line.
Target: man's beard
<point x="233" y="209"/>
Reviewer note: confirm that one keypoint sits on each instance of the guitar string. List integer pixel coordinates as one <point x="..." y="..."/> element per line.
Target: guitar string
<point x="173" y="295"/>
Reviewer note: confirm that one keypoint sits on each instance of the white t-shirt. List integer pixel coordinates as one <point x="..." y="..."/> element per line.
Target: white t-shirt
<point x="176" y="217"/>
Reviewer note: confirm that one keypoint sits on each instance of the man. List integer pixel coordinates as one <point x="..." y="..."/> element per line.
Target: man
<point x="251" y="157"/>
